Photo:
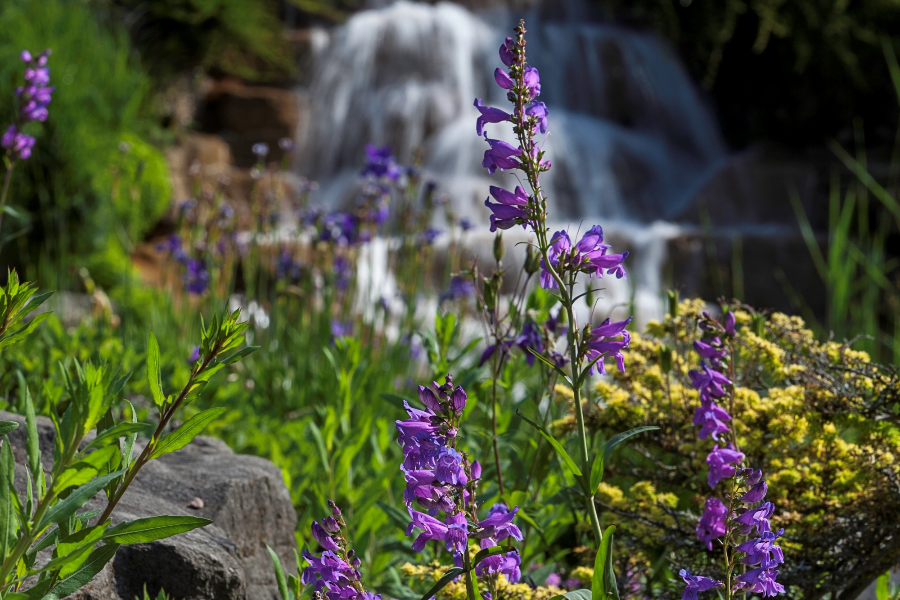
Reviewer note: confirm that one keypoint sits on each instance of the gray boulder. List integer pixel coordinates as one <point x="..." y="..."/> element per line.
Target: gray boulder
<point x="244" y="496"/>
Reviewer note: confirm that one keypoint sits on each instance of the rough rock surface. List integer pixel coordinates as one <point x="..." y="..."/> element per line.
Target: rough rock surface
<point x="244" y="496"/>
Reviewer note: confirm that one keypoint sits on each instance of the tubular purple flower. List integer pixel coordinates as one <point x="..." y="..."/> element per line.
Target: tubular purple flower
<point x="712" y="420"/>
<point x="507" y="564"/>
<point x="448" y="468"/>
<point x="712" y="522"/>
<point x="429" y="399"/>
<point x="507" y="52"/>
<point x="707" y="350"/>
<point x="457" y="533"/>
<point x="709" y="381"/>
<point x="559" y="245"/>
<point x="756" y="518"/>
<point x="696" y="583"/>
<point x="500" y="156"/>
<point x="763" y="551"/>
<point x="458" y="399"/>
<point x="540" y="112"/>
<point x="432" y="529"/>
<point x="509" y="210"/>
<point x="498" y="525"/>
<point x="489" y="114"/>
<point x="322" y="537"/>
<point x="532" y="82"/>
<point x="503" y="79"/>
<point x="720" y="462"/>
<point x="756" y="493"/>
<point x="763" y="582"/>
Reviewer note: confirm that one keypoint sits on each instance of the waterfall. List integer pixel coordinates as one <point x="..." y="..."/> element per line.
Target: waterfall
<point x="631" y="138"/>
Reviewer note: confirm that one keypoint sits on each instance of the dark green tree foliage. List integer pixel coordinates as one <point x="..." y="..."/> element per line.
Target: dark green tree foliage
<point x="796" y="71"/>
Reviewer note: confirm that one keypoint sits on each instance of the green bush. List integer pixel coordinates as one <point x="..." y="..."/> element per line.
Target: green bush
<point x="72" y="217"/>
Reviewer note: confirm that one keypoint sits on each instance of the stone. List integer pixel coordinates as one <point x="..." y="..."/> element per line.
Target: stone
<point x="244" y="496"/>
<point x="244" y="115"/>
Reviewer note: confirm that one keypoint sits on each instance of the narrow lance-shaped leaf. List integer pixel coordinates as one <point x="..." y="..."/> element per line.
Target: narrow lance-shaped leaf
<point x="7" y="512"/>
<point x="451" y="574"/>
<point x="574" y="595"/>
<point x="603" y="585"/>
<point x="66" y="508"/>
<point x="154" y="377"/>
<point x="150" y="529"/>
<point x="279" y="576"/>
<point x="190" y="429"/>
<point x="567" y="460"/>
<point x="86" y="572"/>
<point x="7" y="426"/>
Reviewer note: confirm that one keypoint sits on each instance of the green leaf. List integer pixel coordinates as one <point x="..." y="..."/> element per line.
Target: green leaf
<point x="113" y="433"/>
<point x="882" y="587"/>
<point x="552" y="365"/>
<point x="574" y="595"/>
<point x="72" y="550"/>
<point x="451" y="574"/>
<point x="7" y="426"/>
<point x="21" y="334"/>
<point x="279" y="576"/>
<point x="603" y="585"/>
<point x="608" y="447"/>
<point x="559" y="450"/>
<point x="153" y="375"/>
<point x="7" y="511"/>
<point x="86" y="572"/>
<point x="233" y="358"/>
<point x="190" y="429"/>
<point x="32" y="443"/>
<point x="77" y="474"/>
<point x="150" y="529"/>
<point x="66" y="508"/>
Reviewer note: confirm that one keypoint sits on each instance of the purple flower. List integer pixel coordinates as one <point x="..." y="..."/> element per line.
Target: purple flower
<point x="712" y="419"/>
<point x="756" y="493"/>
<point x="712" y="523"/>
<point x="756" y="518"/>
<point x="195" y="355"/>
<point x="540" y="112"/>
<point x="196" y="277"/>
<point x="432" y="529"/>
<point x="380" y="162"/>
<point x="729" y="323"/>
<point x="489" y="114"/>
<point x="25" y="56"/>
<point x="763" y="582"/>
<point x="763" y="551"/>
<point x="286" y="144"/>
<point x="530" y="338"/>
<point x="457" y="533"/>
<point x="260" y="149"/>
<point x="339" y="330"/>
<point x="696" y="583"/>
<point x="560" y="244"/>
<point x="710" y="350"/>
<point x="709" y="381"/>
<point x="500" y="156"/>
<point x="589" y="256"/>
<point x="466" y="224"/>
<point x="429" y="235"/>
<point x="448" y="468"/>
<point x="602" y="342"/>
<point x="507" y="51"/>
<point x="498" y="525"/>
<point x="503" y="79"/>
<point x="553" y="579"/>
<point x="341" y="228"/>
<point x="460" y="288"/>
<point x="322" y="537"/>
<point x="510" y="208"/>
<point x="476" y="470"/>
<point x="508" y="564"/>
<point x="532" y="82"/>
<point x="720" y="462"/>
<point x="18" y="144"/>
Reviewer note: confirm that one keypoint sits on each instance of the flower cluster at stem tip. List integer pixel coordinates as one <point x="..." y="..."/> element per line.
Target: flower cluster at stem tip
<point x="34" y="97"/>
<point x="745" y="514"/>
<point x="335" y="573"/>
<point x="441" y="479"/>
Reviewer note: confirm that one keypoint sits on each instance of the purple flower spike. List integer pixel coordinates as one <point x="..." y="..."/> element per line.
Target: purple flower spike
<point x="756" y="493"/>
<point x="695" y="584"/>
<point x="489" y="114"/>
<point x="500" y="156"/>
<point x="503" y="79"/>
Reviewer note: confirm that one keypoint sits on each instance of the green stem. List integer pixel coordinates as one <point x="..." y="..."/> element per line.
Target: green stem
<point x="6" y="179"/>
<point x="470" y="587"/>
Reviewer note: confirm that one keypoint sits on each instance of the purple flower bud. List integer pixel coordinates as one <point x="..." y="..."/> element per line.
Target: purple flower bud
<point x="334" y="509"/>
<point x="729" y="323"/>
<point x="503" y="79"/>
<point x="330" y="525"/>
<point x="25" y="56"/>
<point x="756" y="493"/>
<point x="475" y="469"/>
<point x="458" y="399"/>
<point x="506" y="52"/>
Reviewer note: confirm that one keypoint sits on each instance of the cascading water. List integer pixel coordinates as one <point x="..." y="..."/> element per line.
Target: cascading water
<point x="630" y="138"/>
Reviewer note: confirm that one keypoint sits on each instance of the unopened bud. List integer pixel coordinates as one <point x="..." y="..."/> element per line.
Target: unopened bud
<point x="589" y="297"/>
<point x="499" y="249"/>
<point x="673" y="303"/>
<point x="665" y="359"/>
<point x="334" y="509"/>
<point x="562" y="316"/>
<point x="490" y="293"/>
<point x="330" y="525"/>
<point x="532" y="260"/>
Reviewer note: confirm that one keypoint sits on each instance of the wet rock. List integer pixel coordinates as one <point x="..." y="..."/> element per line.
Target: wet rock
<point x="244" y="496"/>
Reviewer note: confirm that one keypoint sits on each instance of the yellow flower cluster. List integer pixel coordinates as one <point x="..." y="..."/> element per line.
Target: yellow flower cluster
<point x="428" y="575"/>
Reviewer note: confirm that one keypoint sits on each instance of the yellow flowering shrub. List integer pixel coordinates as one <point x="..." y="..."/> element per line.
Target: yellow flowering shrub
<point x="818" y="418"/>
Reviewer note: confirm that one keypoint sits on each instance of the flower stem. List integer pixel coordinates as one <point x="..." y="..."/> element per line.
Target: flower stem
<point x="6" y="179"/>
